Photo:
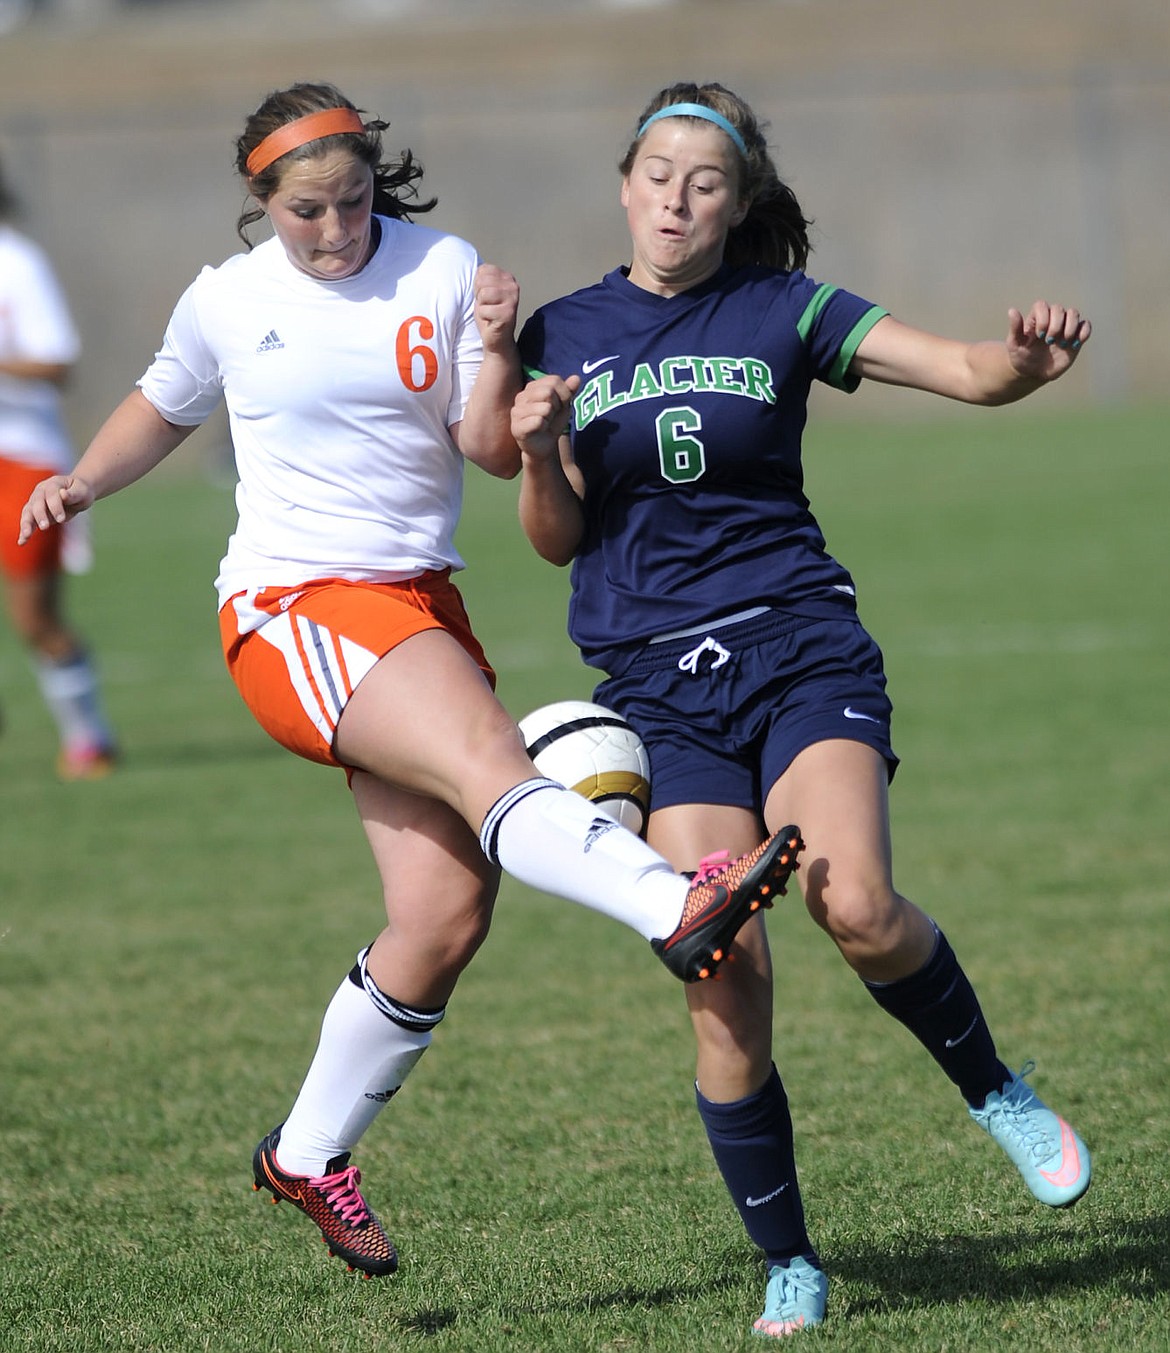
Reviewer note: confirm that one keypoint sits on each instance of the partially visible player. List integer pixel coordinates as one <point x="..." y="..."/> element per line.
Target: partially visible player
<point x="363" y="358"/>
<point x="702" y="587"/>
<point x="39" y="345"/>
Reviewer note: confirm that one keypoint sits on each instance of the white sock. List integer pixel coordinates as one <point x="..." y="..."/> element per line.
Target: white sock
<point x="70" y="689"/>
<point x="362" y="1058"/>
<point x="553" y="839"/>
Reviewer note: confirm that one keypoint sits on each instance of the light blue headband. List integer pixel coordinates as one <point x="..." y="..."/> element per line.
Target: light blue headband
<point x="697" y="110"/>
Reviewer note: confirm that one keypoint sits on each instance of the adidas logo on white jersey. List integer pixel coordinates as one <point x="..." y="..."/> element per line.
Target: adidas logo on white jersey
<point x="270" y="342"/>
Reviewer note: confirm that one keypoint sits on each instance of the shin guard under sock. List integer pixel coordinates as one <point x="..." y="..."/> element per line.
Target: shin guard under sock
<point x="751" y="1140"/>
<point x="939" y="1007"/>
<point x="553" y="839"/>
<point x="368" y="1046"/>
<point x="71" y="692"/>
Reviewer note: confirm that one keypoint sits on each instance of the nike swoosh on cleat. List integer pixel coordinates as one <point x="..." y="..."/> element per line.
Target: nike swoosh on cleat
<point x="702" y="917"/>
<point x="1070" y="1163"/>
<point x="279" y="1191"/>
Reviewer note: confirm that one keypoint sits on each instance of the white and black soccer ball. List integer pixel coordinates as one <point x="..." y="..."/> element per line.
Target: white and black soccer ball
<point x="595" y="752"/>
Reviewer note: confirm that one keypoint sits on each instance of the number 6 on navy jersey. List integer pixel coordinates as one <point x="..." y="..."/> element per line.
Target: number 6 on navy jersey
<point x="681" y="455"/>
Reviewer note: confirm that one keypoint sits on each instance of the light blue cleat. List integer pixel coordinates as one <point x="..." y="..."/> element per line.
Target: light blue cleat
<point x="1046" y="1151"/>
<point x="795" y="1299"/>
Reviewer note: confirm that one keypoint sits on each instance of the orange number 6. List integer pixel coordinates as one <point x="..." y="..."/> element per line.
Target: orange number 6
<point x="406" y="355"/>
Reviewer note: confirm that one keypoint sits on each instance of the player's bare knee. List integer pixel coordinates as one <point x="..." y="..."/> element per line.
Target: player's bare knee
<point x="862" y="919"/>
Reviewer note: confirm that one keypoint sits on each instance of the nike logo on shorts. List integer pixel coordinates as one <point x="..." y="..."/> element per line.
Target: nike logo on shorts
<point x="851" y="713"/>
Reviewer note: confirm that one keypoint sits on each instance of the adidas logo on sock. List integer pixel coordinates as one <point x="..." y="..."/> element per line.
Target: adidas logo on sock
<point x="599" y="827"/>
<point x="270" y="342"/>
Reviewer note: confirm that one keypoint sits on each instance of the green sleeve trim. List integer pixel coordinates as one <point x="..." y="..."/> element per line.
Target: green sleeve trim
<point x="534" y="373"/>
<point x="819" y="300"/>
<point x="839" y="374"/>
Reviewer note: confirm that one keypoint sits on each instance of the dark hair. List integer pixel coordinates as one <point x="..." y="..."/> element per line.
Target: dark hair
<point x="394" y="183"/>
<point x="775" y="230"/>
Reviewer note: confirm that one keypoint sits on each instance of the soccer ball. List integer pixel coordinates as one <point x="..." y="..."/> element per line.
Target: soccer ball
<point x="595" y="752"/>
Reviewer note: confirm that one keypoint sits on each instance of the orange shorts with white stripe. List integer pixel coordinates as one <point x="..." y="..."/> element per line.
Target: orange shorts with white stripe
<point x="297" y="654"/>
<point x="41" y="553"/>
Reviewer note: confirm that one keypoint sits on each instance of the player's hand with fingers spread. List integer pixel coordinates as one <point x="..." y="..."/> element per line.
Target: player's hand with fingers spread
<point x="541" y="414"/>
<point x="1043" y="344"/>
<point x="497" y="303"/>
<point x="53" y="502"/>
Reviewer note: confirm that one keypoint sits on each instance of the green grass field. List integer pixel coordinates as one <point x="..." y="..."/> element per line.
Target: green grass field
<point x="169" y="938"/>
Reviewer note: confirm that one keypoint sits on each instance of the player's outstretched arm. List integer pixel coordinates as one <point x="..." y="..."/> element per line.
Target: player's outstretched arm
<point x="132" y="441"/>
<point x="1041" y="346"/>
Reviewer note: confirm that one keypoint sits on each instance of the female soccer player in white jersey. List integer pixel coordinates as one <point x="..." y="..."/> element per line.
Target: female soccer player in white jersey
<point x="362" y="359"/>
<point x="39" y="345"/>
<point x="730" y="637"/>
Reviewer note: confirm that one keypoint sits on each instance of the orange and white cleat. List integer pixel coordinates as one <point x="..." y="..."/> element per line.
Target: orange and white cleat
<point x="722" y="897"/>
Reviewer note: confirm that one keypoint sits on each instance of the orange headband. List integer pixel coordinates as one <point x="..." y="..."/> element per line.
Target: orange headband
<point x="312" y="127"/>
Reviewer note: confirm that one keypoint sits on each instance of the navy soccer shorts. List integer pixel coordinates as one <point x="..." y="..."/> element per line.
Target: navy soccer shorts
<point x="724" y="712"/>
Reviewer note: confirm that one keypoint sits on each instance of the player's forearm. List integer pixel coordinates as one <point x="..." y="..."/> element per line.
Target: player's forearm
<point x="894" y="353"/>
<point x="485" y="434"/>
<point x="131" y="442"/>
<point x="54" y="373"/>
<point x="550" y="511"/>
<point x="991" y="378"/>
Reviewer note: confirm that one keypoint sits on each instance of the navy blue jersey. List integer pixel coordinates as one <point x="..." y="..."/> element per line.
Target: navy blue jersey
<point x="687" y="431"/>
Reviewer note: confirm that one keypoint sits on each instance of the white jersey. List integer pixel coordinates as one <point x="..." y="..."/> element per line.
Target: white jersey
<point x="340" y="396"/>
<point x="35" y="326"/>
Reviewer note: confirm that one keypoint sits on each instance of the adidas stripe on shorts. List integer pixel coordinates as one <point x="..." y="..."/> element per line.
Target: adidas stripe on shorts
<point x="297" y="654"/>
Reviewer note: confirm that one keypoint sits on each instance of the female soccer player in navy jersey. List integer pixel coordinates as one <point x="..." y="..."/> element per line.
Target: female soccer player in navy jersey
<point x="661" y="442"/>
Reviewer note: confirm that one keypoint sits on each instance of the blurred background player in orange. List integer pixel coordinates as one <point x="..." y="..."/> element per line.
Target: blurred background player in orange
<point x="39" y="345"/>
<point x="363" y="358"/>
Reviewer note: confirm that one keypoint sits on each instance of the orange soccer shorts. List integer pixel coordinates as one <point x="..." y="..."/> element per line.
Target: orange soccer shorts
<point x="297" y="653"/>
<point x="41" y="553"/>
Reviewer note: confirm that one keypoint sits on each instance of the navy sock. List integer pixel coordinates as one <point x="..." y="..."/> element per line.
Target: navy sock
<point x="939" y="1007"/>
<point x="752" y="1142"/>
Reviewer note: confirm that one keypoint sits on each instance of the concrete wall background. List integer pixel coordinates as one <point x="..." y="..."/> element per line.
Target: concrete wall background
<point x="957" y="157"/>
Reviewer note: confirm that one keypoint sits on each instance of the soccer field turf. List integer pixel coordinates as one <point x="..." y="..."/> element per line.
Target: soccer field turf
<point x="169" y="938"/>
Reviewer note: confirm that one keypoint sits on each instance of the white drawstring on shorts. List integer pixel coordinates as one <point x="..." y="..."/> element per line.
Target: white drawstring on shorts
<point x="689" y="662"/>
